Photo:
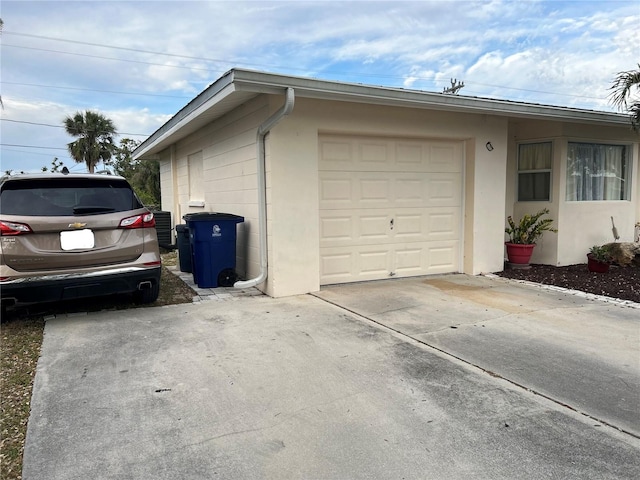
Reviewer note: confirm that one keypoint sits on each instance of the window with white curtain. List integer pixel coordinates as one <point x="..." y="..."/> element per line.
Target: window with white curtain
<point x="534" y="172"/>
<point x="597" y="172"/>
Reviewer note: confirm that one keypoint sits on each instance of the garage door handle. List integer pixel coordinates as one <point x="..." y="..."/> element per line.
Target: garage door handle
<point x="391" y="224"/>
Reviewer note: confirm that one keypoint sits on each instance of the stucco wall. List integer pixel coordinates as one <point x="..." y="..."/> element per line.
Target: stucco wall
<point x="580" y="224"/>
<point x="230" y="182"/>
<point x="294" y="215"/>
<point x="229" y="172"/>
<point x="229" y="176"/>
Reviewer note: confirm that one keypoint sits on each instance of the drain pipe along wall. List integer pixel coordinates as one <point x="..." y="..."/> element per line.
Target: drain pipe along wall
<point x="262" y="187"/>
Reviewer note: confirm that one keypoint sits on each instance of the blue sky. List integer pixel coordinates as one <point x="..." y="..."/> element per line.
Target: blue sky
<point x="139" y="62"/>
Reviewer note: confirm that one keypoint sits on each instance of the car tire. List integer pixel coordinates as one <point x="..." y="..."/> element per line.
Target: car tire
<point x="147" y="295"/>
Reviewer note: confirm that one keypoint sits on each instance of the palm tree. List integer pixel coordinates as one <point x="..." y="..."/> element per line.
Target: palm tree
<point x="95" y="135"/>
<point x="622" y="88"/>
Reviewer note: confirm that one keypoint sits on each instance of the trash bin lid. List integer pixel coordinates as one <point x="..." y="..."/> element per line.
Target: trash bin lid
<point x="211" y="216"/>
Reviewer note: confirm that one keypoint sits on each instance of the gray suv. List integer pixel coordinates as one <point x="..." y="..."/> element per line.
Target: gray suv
<point x="66" y="236"/>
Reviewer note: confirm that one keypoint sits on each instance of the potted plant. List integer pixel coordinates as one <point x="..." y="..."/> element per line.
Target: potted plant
<point x="599" y="258"/>
<point x="523" y="236"/>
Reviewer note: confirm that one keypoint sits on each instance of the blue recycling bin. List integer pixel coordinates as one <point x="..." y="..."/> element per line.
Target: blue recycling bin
<point x="213" y="245"/>
<point x="184" y="248"/>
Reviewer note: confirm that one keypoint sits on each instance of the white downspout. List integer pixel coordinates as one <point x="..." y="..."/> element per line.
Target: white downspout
<point x="263" y="129"/>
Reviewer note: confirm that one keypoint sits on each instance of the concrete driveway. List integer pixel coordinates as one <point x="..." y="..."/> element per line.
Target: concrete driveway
<point x="430" y="378"/>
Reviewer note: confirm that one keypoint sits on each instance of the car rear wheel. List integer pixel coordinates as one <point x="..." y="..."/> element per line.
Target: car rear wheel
<point x="147" y="295"/>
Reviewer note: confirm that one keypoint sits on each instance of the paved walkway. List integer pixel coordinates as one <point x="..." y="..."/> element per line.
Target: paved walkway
<point x="212" y="294"/>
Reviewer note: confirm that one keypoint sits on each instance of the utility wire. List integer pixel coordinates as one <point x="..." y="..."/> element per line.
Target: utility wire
<point x="231" y="62"/>
<point x="94" y="90"/>
<point x="62" y="126"/>
<point x="31" y="146"/>
<point x="110" y="58"/>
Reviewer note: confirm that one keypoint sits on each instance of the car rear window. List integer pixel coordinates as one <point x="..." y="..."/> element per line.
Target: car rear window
<point x="67" y="196"/>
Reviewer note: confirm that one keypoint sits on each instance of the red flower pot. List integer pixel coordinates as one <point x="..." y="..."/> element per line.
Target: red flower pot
<point x="596" y="266"/>
<point x="519" y="253"/>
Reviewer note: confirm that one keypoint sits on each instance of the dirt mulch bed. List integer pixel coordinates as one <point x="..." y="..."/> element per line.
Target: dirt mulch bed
<point x="619" y="282"/>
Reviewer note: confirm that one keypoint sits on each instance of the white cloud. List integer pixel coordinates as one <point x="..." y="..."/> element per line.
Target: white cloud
<point x="563" y="53"/>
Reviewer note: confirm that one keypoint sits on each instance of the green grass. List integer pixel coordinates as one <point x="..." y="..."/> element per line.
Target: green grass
<point x="21" y="341"/>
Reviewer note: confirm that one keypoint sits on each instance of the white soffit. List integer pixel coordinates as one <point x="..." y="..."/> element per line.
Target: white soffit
<point x="190" y="120"/>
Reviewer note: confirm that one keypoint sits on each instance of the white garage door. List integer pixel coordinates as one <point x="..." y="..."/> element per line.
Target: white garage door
<point x="388" y="207"/>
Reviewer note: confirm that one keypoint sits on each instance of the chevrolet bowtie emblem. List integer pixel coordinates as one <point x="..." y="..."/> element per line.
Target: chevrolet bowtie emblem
<point x="77" y="225"/>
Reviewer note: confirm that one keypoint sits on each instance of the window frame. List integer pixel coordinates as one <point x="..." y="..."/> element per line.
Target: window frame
<point x="534" y="171"/>
<point x="195" y="171"/>
<point x="627" y="166"/>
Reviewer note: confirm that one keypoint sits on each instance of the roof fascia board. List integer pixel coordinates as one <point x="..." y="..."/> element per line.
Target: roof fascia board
<point x="241" y="80"/>
<point x="215" y="93"/>
<point x="323" y="89"/>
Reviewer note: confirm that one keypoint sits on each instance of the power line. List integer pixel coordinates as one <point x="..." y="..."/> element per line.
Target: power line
<point x="62" y="126"/>
<point x="128" y="49"/>
<point x="32" y="153"/>
<point x="93" y="90"/>
<point x="111" y="58"/>
<point x="202" y="59"/>
<point x="231" y="62"/>
<point x="31" y="146"/>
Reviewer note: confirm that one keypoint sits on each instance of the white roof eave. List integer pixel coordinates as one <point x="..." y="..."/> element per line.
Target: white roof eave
<point x="238" y="86"/>
<point x="322" y="89"/>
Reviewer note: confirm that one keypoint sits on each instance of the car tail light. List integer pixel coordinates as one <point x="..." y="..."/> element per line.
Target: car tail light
<point x="14" y="228"/>
<point x="146" y="220"/>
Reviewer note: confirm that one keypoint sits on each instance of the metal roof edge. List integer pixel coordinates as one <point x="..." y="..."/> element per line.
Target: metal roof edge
<point x="208" y="96"/>
<point x="272" y="83"/>
<point x="237" y="79"/>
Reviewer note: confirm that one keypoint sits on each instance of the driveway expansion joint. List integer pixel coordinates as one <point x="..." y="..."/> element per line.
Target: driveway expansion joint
<point x="518" y="385"/>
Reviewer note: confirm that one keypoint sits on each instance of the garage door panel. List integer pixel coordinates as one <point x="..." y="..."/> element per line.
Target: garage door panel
<point x="371" y="227"/>
<point x="444" y="189"/>
<point x="443" y="224"/>
<point x="408" y="226"/>
<point x="336" y="192"/>
<point x="368" y="228"/>
<point x="410" y="260"/>
<point x="361" y="153"/>
<point x="371" y="262"/>
<point x="373" y="154"/>
<point x="337" y="229"/>
<point x="445" y="157"/>
<point x="355" y="190"/>
<point x="409" y="191"/>
<point x="337" y="266"/>
<point x="374" y="191"/>
<point x="443" y="257"/>
<point x="410" y="156"/>
<point x="388" y="207"/>
<point x="388" y="227"/>
<point x="343" y="264"/>
<point x="337" y="153"/>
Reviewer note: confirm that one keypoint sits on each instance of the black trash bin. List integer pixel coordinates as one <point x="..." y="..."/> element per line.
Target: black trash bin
<point x="213" y="244"/>
<point x="184" y="248"/>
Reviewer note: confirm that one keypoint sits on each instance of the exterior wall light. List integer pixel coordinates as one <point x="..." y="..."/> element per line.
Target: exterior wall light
<point x="489" y="146"/>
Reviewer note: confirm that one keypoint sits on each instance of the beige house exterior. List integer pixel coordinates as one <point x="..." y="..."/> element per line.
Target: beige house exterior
<point x="365" y="183"/>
